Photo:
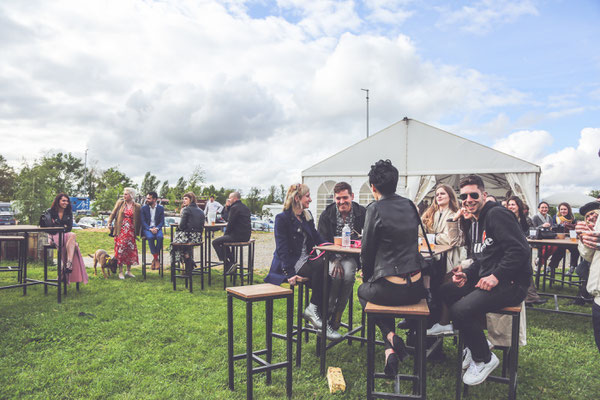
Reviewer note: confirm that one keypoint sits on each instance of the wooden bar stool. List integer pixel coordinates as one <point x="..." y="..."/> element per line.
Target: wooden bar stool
<point x="144" y="263"/>
<point x="419" y="312"/>
<point x="236" y="249"/>
<point x="510" y="356"/>
<point x="250" y="294"/>
<point x="187" y="273"/>
<point x="20" y="242"/>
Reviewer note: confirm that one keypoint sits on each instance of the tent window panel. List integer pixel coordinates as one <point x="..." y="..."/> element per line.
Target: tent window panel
<point x="365" y="196"/>
<point x="324" y="196"/>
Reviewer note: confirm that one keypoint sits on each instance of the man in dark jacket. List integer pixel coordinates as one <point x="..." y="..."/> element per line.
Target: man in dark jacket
<point x="341" y="268"/>
<point x="238" y="229"/>
<point x="498" y="278"/>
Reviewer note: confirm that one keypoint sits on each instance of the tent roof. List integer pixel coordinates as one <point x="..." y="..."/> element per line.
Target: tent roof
<point x="574" y="199"/>
<point x="416" y="148"/>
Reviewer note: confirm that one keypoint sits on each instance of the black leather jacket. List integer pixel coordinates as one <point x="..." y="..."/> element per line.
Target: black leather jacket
<point x="192" y="219"/>
<point x="389" y="242"/>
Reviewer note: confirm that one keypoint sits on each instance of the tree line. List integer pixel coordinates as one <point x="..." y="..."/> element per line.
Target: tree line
<point x="34" y="186"/>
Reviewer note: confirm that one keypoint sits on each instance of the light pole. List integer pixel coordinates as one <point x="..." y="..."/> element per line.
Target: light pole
<point x="85" y="192"/>
<point x="367" y="90"/>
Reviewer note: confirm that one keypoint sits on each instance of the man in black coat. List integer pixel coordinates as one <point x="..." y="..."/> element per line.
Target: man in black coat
<point x="341" y="268"/>
<point x="498" y="278"/>
<point x="238" y="229"/>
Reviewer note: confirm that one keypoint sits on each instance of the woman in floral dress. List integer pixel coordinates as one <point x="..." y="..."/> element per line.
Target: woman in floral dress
<point x="127" y="225"/>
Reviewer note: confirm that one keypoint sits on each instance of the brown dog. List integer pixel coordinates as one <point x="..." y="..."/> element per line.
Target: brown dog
<point x="110" y="263"/>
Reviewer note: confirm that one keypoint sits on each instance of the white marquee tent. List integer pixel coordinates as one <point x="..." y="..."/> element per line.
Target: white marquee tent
<point x="424" y="156"/>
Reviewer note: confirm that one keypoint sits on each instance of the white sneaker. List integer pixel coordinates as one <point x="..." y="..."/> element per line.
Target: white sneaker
<point x="332" y="334"/>
<point x="479" y="371"/>
<point x="467" y="358"/>
<point x="438" y="329"/>
<point x="129" y="274"/>
<point x="310" y="314"/>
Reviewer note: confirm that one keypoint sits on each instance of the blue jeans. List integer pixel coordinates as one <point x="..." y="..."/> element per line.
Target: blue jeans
<point x="155" y="242"/>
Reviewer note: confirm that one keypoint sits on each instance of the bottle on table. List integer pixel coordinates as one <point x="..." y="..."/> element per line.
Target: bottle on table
<point x="346" y="236"/>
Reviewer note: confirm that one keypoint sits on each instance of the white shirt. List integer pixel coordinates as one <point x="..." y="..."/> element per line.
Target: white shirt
<point x="212" y="206"/>
<point x="152" y="214"/>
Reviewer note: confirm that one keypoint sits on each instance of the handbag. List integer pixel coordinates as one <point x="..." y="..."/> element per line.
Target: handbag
<point x="46" y="220"/>
<point x="111" y="231"/>
<point x="545" y="233"/>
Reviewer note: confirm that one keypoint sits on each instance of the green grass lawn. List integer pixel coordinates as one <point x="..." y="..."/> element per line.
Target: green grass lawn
<point x="145" y="341"/>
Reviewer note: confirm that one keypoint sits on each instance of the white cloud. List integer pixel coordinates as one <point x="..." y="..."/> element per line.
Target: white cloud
<point x="573" y="168"/>
<point x="165" y="86"/>
<point x="527" y="145"/>
<point x="388" y="11"/>
<point x="484" y="15"/>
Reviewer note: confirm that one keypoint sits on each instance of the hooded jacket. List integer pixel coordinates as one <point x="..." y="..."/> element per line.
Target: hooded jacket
<point x="328" y="221"/>
<point x="498" y="247"/>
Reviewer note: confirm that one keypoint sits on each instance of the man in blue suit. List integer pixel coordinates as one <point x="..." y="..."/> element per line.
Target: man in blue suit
<point x="153" y="219"/>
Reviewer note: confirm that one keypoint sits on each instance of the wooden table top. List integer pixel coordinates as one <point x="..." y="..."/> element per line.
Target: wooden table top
<point x="339" y="249"/>
<point x="29" y="228"/>
<point x="258" y="291"/>
<point x="553" y="242"/>
<point x="437" y="250"/>
<point x="216" y="226"/>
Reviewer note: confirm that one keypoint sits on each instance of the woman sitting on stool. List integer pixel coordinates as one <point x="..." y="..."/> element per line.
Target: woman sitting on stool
<point x="62" y="215"/>
<point x="295" y="236"/>
<point x="391" y="263"/>
<point x="190" y="230"/>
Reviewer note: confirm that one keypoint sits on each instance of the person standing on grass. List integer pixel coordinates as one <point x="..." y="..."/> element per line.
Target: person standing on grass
<point x="153" y="219"/>
<point x="498" y="277"/>
<point x="127" y="226"/>
<point x="238" y="229"/>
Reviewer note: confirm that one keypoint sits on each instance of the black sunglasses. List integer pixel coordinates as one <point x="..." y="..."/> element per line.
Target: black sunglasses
<point x="463" y="196"/>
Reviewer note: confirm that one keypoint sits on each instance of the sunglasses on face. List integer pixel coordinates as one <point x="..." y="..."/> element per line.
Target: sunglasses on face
<point x="463" y="196"/>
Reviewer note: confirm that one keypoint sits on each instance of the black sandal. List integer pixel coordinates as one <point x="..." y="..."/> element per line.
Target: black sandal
<point x="399" y="347"/>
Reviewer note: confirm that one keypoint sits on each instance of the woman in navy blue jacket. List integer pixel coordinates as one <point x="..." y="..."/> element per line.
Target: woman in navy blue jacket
<point x="295" y="237"/>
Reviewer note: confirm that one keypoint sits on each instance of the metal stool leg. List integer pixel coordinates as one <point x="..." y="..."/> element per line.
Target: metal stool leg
<point x="269" y="337"/>
<point x="249" y="385"/>
<point x="230" y="339"/>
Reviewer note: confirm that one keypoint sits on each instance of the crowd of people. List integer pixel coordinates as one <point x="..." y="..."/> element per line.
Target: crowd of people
<point x="488" y="267"/>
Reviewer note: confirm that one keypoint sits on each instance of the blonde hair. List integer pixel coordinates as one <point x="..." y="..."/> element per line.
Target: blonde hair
<point x="430" y="212"/>
<point x="292" y="202"/>
<point x="131" y="192"/>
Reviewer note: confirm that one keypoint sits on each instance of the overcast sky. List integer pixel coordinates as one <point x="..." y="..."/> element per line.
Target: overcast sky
<point x="256" y="91"/>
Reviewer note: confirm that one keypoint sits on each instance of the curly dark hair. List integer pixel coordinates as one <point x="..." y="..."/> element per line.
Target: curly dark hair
<point x="54" y="207"/>
<point x="384" y="176"/>
<point x="520" y="205"/>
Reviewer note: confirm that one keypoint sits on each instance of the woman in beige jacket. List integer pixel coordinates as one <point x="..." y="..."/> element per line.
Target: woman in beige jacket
<point x="127" y="226"/>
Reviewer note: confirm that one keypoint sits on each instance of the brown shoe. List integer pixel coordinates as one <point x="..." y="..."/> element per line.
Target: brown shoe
<point x="155" y="265"/>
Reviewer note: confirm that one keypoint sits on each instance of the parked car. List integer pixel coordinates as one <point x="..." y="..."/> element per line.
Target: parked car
<point x="171" y="220"/>
<point x="88" y="222"/>
<point x="260" y="226"/>
<point x="7" y="216"/>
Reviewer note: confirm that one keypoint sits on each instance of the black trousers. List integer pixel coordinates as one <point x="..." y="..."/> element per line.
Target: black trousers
<point x="313" y="270"/>
<point x="560" y="253"/>
<point x="220" y="248"/>
<point x="468" y="306"/>
<point x="386" y="293"/>
<point x="596" y="323"/>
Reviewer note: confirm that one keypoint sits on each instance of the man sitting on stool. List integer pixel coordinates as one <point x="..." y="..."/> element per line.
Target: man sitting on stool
<point x="238" y="230"/>
<point x="153" y="219"/>
<point x="498" y="278"/>
<point x="342" y="268"/>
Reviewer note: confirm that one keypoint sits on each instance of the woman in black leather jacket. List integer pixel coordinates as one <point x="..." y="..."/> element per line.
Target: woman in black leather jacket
<point x="190" y="229"/>
<point x="391" y="262"/>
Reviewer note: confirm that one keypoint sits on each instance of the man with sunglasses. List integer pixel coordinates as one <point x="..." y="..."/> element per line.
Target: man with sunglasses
<point x="341" y="268"/>
<point x="498" y="277"/>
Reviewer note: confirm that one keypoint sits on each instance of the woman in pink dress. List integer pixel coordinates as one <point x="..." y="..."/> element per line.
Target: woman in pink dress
<point x="62" y="215"/>
<point x="127" y="225"/>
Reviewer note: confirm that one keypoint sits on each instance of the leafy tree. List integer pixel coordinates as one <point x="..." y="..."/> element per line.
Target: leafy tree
<point x="179" y="189"/>
<point x="594" y="193"/>
<point x="272" y="196"/>
<point x="7" y="180"/>
<point x="67" y="172"/>
<point x="254" y="201"/>
<point x="282" y="193"/>
<point x="164" y="190"/>
<point x="196" y="180"/>
<point x="35" y="192"/>
<point x="109" y="187"/>
<point x="149" y="184"/>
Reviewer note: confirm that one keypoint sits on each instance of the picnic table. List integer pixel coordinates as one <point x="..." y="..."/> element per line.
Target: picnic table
<point x="25" y="230"/>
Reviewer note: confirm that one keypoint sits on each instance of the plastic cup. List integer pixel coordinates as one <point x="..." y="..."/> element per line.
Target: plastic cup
<point x="532" y="233"/>
<point x="573" y="235"/>
<point x="337" y="240"/>
<point x="431" y="239"/>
